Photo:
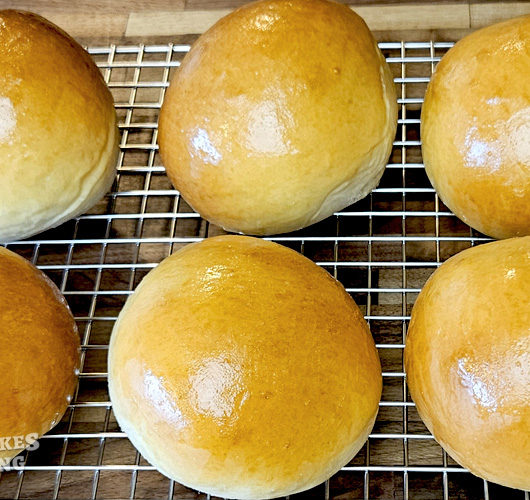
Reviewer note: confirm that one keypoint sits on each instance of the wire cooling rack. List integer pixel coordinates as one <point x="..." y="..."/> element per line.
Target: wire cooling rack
<point x="382" y="249"/>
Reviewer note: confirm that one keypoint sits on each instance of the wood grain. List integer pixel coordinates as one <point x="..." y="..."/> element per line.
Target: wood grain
<point x="91" y="25"/>
<point x="108" y="7"/>
<point x="486" y="13"/>
<point x="380" y="17"/>
<point x="176" y="23"/>
<point x="170" y="20"/>
<point x="222" y="4"/>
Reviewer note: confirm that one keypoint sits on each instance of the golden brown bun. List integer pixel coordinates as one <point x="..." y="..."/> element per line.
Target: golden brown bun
<point x="38" y="352"/>
<point x="467" y="359"/>
<point x="281" y="114"/>
<point x="58" y="133"/>
<point x="476" y="129"/>
<point x="242" y="369"/>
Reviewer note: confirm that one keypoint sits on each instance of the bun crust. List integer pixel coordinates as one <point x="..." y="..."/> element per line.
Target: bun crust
<point x="475" y="129"/>
<point x="58" y="132"/>
<point x="39" y="354"/>
<point x="281" y="114"/>
<point x="242" y="369"/>
<point x="467" y="359"/>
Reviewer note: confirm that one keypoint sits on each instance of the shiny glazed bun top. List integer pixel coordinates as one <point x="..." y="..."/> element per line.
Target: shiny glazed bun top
<point x="281" y="114"/>
<point x="38" y="353"/>
<point x="58" y="133"/>
<point x="476" y="129"/>
<point x="467" y="359"/>
<point x="242" y="369"/>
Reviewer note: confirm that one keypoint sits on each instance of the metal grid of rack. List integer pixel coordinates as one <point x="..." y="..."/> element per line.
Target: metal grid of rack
<point x="382" y="249"/>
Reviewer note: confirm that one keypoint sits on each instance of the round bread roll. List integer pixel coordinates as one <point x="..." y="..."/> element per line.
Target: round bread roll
<point x="58" y="132"/>
<point x="475" y="129"/>
<point x="281" y="114"/>
<point x="241" y="369"/>
<point x="467" y="359"/>
<point x="38" y="354"/>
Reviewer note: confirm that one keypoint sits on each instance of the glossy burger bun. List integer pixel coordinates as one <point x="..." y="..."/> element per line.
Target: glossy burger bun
<point x="38" y="354"/>
<point x="241" y="369"/>
<point x="476" y="129"/>
<point x="58" y="132"/>
<point x="281" y="114"/>
<point x="467" y="359"/>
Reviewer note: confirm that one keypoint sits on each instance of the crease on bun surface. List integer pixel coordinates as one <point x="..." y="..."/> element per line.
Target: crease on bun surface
<point x="39" y="356"/>
<point x="475" y="129"/>
<point x="467" y="359"/>
<point x="58" y="128"/>
<point x="281" y="114"/>
<point x="242" y="369"/>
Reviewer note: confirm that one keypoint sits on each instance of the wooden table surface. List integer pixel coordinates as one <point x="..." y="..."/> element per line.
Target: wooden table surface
<point x="165" y="20"/>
